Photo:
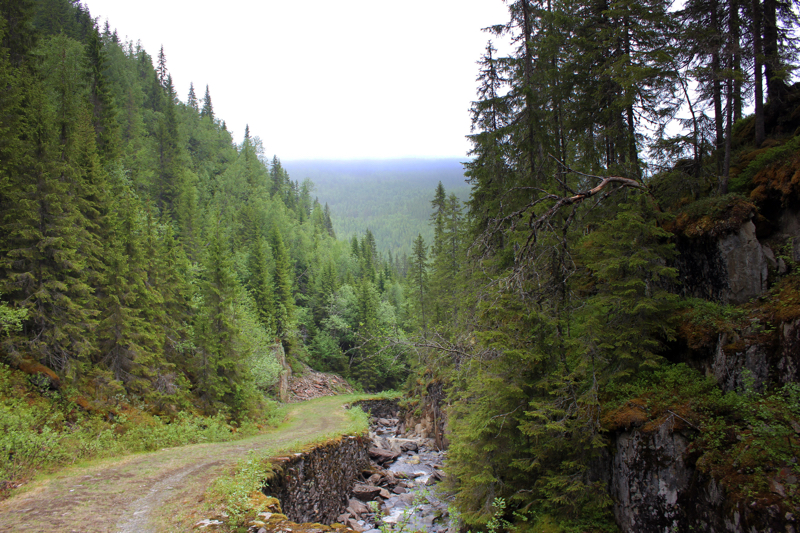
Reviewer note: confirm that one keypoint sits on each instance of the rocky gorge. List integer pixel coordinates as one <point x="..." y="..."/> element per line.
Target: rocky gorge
<point x="650" y="466"/>
<point x="359" y="483"/>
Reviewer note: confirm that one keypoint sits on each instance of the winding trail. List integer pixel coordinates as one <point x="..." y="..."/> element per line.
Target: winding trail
<point x="139" y="493"/>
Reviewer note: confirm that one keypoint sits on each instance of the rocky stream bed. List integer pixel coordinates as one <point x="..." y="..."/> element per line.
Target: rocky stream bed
<point x="394" y="490"/>
<point x="402" y="485"/>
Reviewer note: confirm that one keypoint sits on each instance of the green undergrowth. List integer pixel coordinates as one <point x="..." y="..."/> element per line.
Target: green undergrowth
<point x="746" y="440"/>
<point x="772" y="167"/>
<point x="712" y="216"/>
<point x="42" y="430"/>
<point x="383" y="395"/>
<point x="234" y="493"/>
<point x="756" y="322"/>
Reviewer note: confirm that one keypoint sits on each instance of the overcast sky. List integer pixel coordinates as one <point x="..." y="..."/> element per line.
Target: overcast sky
<point x="323" y="79"/>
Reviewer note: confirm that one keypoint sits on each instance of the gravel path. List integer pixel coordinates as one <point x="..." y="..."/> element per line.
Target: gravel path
<point x="126" y="494"/>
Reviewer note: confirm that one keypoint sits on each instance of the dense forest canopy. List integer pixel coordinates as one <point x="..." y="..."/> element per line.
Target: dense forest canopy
<point x="143" y="250"/>
<point x="144" y="253"/>
<point x="607" y="131"/>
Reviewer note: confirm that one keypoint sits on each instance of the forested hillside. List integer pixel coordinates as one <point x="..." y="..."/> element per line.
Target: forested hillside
<point x="391" y="198"/>
<point x="623" y="273"/>
<point x="148" y="260"/>
<point x="585" y="298"/>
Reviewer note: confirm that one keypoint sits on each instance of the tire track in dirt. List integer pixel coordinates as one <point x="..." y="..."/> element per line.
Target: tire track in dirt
<point x="123" y="494"/>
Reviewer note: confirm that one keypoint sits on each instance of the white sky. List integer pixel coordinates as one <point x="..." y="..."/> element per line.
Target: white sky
<point x="323" y="79"/>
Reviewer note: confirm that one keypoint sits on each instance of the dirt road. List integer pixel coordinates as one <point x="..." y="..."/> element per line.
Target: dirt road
<point x="129" y="494"/>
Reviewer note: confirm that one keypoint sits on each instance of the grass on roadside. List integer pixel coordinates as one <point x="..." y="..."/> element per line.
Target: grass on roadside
<point x="230" y="496"/>
<point x="43" y="432"/>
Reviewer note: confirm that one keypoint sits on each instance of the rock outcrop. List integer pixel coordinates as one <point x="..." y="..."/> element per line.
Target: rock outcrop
<point x="429" y="420"/>
<point x="731" y="268"/>
<point x="286" y="372"/>
<point x="652" y="472"/>
<point x="761" y="365"/>
<point x="657" y="489"/>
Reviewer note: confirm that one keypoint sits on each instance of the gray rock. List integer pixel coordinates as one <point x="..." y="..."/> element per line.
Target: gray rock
<point x="746" y="264"/>
<point x="357" y="506"/>
<point x="366" y="492"/>
<point x="354" y="525"/>
<point x="383" y="456"/>
<point x="656" y="490"/>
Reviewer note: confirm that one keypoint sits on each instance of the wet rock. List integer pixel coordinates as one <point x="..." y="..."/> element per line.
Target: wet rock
<point x="202" y="524"/>
<point x="409" y="446"/>
<point x="366" y="492"/>
<point x="358" y="507"/>
<point x="399" y="490"/>
<point x="382" y="456"/>
<point x="354" y="525"/>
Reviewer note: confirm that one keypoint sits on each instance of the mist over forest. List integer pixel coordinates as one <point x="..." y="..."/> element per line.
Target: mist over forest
<point x="597" y="315"/>
<point x="390" y="197"/>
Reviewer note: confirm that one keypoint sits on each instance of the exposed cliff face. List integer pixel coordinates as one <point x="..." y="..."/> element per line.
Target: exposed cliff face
<point x="732" y="268"/>
<point x="653" y="476"/>
<point x="648" y="475"/>
<point x="773" y="362"/>
<point x="286" y="372"/>
<point x="429" y="419"/>
<point x="657" y="489"/>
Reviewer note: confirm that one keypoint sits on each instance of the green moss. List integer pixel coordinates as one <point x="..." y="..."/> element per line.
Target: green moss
<point x="745" y="440"/>
<point x="712" y="216"/>
<point x="763" y="168"/>
<point x="297" y="367"/>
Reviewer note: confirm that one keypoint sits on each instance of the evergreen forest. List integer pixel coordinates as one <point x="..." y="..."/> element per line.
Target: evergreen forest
<point x="148" y="260"/>
<point x="391" y="198"/>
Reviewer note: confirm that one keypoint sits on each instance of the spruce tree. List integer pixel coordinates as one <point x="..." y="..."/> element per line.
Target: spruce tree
<point x="208" y="110"/>
<point x="217" y="367"/>
<point x="261" y="283"/>
<point x="46" y="245"/>
<point x="418" y="281"/>
<point x="284" y="299"/>
<point x="104" y="109"/>
<point x="191" y="99"/>
<point x="161" y="69"/>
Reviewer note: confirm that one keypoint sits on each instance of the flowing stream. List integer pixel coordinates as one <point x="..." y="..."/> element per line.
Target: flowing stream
<point x="414" y="504"/>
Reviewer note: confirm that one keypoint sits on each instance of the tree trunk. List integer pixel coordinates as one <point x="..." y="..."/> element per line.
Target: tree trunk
<point x="716" y="85"/>
<point x="734" y="30"/>
<point x="760" y="133"/>
<point x="772" y="60"/>
<point x="726" y="168"/>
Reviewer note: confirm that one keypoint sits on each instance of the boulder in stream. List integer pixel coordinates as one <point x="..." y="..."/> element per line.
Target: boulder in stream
<point x="366" y="492"/>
